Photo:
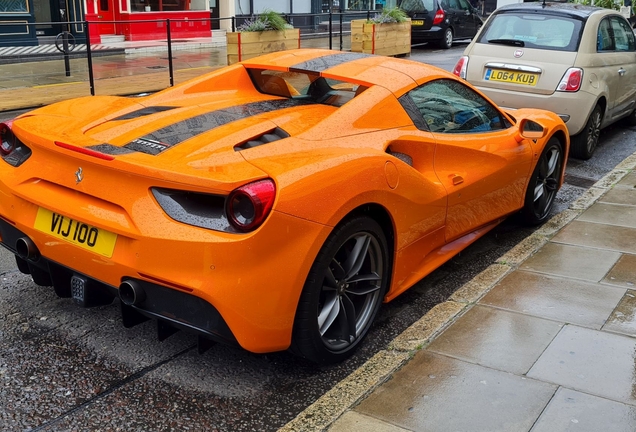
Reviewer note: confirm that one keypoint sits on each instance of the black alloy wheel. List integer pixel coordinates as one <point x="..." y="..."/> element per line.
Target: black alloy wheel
<point x="582" y="145"/>
<point x="544" y="184"/>
<point x="343" y="292"/>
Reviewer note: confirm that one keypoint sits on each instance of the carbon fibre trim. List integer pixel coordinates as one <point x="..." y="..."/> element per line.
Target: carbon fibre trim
<point x="144" y="112"/>
<point x="414" y="113"/>
<point x="192" y="208"/>
<point x="164" y="138"/>
<point x="110" y="149"/>
<point x="328" y="61"/>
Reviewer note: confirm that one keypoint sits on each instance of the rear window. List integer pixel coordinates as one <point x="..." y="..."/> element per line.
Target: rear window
<point x="413" y="6"/>
<point x="558" y="33"/>
<point x="304" y="85"/>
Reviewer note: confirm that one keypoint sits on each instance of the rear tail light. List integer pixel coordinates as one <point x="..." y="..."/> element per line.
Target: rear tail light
<point x="571" y="80"/>
<point x="249" y="205"/>
<point x="461" y="66"/>
<point x="8" y="139"/>
<point x="12" y="150"/>
<point x="439" y="16"/>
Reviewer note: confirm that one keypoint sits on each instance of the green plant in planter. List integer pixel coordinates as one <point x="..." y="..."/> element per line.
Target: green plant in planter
<point x="390" y="15"/>
<point x="607" y="4"/>
<point x="266" y="20"/>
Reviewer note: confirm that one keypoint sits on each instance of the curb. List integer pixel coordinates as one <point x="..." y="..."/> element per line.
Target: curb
<point x="320" y="415"/>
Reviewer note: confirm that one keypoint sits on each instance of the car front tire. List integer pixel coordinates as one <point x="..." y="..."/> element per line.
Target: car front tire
<point x="583" y="144"/>
<point x="343" y="292"/>
<point x="544" y="184"/>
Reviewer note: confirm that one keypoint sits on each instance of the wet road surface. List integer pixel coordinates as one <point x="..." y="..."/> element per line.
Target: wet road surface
<point x="66" y="368"/>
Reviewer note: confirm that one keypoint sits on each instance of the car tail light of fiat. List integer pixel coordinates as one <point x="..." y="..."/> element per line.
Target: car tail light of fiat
<point x="461" y="67"/>
<point x="571" y="80"/>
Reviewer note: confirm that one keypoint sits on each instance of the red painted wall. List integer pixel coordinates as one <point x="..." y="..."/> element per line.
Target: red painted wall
<point x="152" y="25"/>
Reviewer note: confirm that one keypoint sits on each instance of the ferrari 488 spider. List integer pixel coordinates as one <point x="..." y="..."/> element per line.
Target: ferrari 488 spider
<point x="273" y="204"/>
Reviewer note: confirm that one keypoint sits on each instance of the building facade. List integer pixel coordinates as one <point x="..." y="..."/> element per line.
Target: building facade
<point x="29" y="22"/>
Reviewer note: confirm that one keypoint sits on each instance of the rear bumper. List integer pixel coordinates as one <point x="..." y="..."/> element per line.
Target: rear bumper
<point x="435" y="33"/>
<point x="232" y="288"/>
<point x="172" y="308"/>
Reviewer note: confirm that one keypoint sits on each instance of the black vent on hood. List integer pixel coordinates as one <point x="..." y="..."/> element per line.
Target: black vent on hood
<point x="268" y="137"/>
<point x="144" y="112"/>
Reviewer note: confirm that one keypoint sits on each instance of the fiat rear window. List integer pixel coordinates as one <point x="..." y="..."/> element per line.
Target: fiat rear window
<point x="550" y="32"/>
<point x="413" y="6"/>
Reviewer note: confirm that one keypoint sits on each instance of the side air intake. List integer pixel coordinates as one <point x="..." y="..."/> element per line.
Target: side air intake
<point x="268" y="137"/>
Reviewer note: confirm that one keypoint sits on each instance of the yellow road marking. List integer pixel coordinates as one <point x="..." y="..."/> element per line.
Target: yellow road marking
<point x="195" y="68"/>
<point x="57" y="85"/>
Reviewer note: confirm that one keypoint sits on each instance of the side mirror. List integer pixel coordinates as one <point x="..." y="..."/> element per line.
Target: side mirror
<point x="531" y="130"/>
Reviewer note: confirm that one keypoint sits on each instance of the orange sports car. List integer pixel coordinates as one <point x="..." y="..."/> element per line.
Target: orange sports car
<point x="272" y="204"/>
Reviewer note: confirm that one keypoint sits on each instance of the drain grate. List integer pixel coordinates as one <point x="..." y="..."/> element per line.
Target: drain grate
<point x="156" y="67"/>
<point x="583" y="182"/>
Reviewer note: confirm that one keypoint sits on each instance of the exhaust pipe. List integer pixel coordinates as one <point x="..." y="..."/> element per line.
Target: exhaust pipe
<point x="131" y="293"/>
<point x="26" y="249"/>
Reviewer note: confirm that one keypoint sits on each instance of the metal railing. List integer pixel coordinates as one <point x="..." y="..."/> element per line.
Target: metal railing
<point x="92" y="62"/>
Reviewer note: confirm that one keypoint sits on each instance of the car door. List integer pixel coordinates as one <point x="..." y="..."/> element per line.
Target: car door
<point x="625" y="66"/>
<point x="467" y="18"/>
<point x="607" y="66"/>
<point x="456" y="17"/>
<point x="478" y="159"/>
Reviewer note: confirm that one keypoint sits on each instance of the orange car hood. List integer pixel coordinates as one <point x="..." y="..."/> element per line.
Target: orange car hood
<point x="187" y="144"/>
<point x="198" y="142"/>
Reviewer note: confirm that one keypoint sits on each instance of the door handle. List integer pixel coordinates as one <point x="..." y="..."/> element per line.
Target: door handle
<point x="621" y="71"/>
<point x="457" y="179"/>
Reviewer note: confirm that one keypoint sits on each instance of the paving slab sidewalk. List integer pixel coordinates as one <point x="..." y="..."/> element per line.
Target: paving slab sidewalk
<point x="544" y="340"/>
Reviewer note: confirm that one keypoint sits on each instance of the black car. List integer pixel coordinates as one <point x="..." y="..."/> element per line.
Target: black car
<point x="441" y="21"/>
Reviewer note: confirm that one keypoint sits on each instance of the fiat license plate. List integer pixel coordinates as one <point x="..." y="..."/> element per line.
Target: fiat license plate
<point x="80" y="234"/>
<point x="514" y="77"/>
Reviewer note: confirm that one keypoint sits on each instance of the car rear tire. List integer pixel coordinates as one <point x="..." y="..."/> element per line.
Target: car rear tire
<point x="582" y="145"/>
<point x="447" y="40"/>
<point x="544" y="184"/>
<point x="343" y="292"/>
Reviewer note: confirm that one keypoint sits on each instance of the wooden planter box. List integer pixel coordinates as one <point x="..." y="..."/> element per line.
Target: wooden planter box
<point x="384" y="39"/>
<point x="245" y="45"/>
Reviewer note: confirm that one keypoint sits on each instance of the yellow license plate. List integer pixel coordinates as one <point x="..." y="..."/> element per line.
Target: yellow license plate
<point x="417" y="22"/>
<point x="524" y="78"/>
<point x="85" y="236"/>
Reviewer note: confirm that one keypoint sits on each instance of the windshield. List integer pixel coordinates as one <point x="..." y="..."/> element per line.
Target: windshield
<point x="551" y="32"/>
<point x="304" y="86"/>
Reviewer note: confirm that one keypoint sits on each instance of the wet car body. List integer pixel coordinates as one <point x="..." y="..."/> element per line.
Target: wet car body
<point x="271" y="204"/>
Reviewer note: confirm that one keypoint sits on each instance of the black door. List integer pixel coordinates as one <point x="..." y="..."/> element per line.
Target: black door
<point x="462" y="18"/>
<point x="50" y="16"/>
<point x="214" y="14"/>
